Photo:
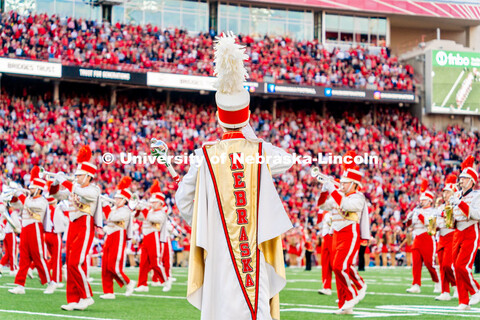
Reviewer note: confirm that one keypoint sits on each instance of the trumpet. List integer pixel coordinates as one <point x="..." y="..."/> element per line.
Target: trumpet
<point x="107" y="198"/>
<point x="321" y="177"/>
<point x="9" y="190"/>
<point x="47" y="175"/>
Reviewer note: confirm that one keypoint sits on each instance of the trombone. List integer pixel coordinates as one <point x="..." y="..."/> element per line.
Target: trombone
<point x="321" y="177"/>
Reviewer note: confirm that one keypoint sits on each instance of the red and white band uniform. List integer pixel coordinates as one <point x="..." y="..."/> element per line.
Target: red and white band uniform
<point x="117" y="230"/>
<point x="152" y="250"/>
<point x="84" y="215"/>
<point x="423" y="249"/>
<point x="10" y="241"/>
<point x="444" y="251"/>
<point x="167" y="252"/>
<point x="327" y="250"/>
<point x="465" y="244"/>
<point x="32" y="245"/>
<point x="54" y="224"/>
<point x="347" y="234"/>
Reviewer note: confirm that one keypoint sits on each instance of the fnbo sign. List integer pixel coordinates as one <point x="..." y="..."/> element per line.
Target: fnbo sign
<point x="455" y="59"/>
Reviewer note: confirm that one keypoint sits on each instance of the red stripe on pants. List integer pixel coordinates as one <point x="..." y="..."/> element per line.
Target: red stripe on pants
<point x="10" y="247"/>
<point x="79" y="242"/>
<point x="423" y="251"/>
<point x="445" y="259"/>
<point x="345" y="246"/>
<point x="31" y="251"/>
<point x="326" y="257"/>
<point x="166" y="252"/>
<point x="53" y="242"/>
<point x="113" y="261"/>
<point x="465" y="244"/>
<point x="151" y="259"/>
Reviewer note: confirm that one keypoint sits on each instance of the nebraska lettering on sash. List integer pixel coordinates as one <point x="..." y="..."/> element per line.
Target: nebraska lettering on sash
<point x="237" y="189"/>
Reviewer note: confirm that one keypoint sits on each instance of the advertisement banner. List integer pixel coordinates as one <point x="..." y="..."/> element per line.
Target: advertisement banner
<point x="31" y="68"/>
<point x="106" y="75"/>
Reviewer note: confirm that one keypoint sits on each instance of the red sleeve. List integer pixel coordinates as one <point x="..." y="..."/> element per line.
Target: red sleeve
<point x="422" y="218"/>
<point x="22" y="198"/>
<point x="320" y="217"/>
<point x="465" y="208"/>
<point x="337" y="197"/>
<point x="54" y="189"/>
<point x="106" y="211"/>
<point x="323" y="198"/>
<point x="68" y="184"/>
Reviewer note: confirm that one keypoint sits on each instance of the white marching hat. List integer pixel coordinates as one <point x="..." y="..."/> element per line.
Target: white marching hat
<point x="232" y="99"/>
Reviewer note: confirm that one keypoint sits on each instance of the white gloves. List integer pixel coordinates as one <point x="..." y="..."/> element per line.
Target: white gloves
<point x="249" y="134"/>
<point x="328" y="186"/>
<point x="61" y="177"/>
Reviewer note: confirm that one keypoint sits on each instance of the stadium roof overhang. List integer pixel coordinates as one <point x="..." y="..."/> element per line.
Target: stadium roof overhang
<point x="460" y="13"/>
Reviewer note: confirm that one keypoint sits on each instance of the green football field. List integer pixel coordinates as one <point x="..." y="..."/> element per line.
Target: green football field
<point x="444" y="79"/>
<point x="386" y="297"/>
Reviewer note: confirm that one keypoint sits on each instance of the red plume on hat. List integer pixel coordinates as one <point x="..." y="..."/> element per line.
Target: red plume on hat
<point x="451" y="178"/>
<point x="124" y="183"/>
<point x="84" y="155"/>
<point x="351" y="154"/>
<point x="468" y="163"/>
<point x="424" y="185"/>
<point x="155" y="187"/>
<point x="35" y="173"/>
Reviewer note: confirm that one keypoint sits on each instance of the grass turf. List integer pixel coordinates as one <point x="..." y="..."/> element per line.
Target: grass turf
<point x="386" y="297"/>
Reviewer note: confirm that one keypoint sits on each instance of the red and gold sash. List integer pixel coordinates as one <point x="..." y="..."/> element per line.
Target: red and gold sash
<point x="239" y="183"/>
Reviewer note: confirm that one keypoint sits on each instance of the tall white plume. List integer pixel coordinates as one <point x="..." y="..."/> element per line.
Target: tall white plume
<point x="229" y="68"/>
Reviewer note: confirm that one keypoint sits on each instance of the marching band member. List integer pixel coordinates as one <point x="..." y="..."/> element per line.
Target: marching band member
<point x="84" y="215"/>
<point x="32" y="245"/>
<point x="325" y="220"/>
<point x="54" y="224"/>
<point x="10" y="241"/>
<point x="466" y="211"/>
<point x="423" y="250"/>
<point x="117" y="230"/>
<point x="166" y="250"/>
<point x="152" y="255"/>
<point x="351" y="224"/>
<point x="445" y="221"/>
<point x="236" y="215"/>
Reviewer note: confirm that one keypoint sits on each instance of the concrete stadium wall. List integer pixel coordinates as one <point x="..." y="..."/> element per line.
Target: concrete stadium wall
<point x="440" y="121"/>
<point x="404" y="39"/>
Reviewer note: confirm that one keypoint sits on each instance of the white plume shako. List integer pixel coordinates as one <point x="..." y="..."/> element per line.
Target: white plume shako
<point x="232" y="98"/>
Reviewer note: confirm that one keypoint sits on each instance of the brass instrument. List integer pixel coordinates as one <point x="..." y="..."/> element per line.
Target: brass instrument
<point x="107" y="199"/>
<point x="321" y="177"/>
<point x="449" y="219"/>
<point x="432" y="226"/>
<point x="47" y="175"/>
<point x="9" y="190"/>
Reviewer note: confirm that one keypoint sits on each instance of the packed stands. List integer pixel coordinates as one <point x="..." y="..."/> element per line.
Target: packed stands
<point x="34" y="130"/>
<point x="148" y="48"/>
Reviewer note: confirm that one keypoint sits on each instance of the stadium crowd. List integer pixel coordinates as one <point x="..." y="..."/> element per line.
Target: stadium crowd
<point x="149" y="48"/>
<point x="34" y="130"/>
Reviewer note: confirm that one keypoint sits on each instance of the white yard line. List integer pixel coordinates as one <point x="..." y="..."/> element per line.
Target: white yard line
<point x="99" y="292"/>
<point x="453" y="88"/>
<point x="51" y="315"/>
